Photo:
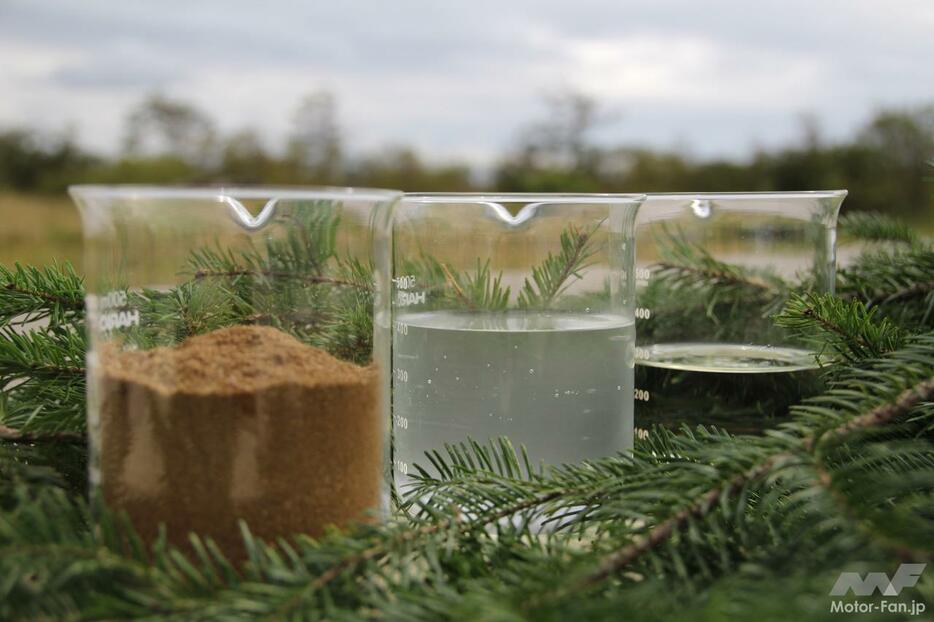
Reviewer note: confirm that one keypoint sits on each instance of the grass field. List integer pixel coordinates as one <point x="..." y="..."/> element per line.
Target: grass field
<point x="37" y="229"/>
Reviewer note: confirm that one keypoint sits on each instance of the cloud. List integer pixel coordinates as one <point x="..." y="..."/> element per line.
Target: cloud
<point x="118" y="69"/>
<point x="460" y="78"/>
<point x="694" y="71"/>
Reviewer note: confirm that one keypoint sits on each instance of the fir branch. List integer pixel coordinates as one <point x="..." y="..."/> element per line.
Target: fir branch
<point x="310" y="240"/>
<point x="876" y="227"/>
<point x="382" y="549"/>
<point x="277" y="283"/>
<point x="848" y="328"/>
<point x="29" y="294"/>
<point x="43" y="354"/>
<point x="9" y="434"/>
<point x="447" y="288"/>
<point x="899" y="282"/>
<point x="481" y="290"/>
<point x="42" y="379"/>
<point x="641" y="486"/>
<point x="686" y="265"/>
<point x="910" y="292"/>
<point x="303" y="278"/>
<point x="659" y="534"/>
<point x="714" y="515"/>
<point x="837" y="488"/>
<point x="346" y="328"/>
<point x="192" y="308"/>
<point x="880" y="415"/>
<point x="689" y="286"/>
<point x="458" y="290"/>
<point x="550" y="278"/>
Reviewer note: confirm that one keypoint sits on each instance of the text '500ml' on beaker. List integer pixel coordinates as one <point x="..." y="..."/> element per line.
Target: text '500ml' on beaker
<point x="234" y="369"/>
<point x="512" y="317"/>
<point x="713" y="269"/>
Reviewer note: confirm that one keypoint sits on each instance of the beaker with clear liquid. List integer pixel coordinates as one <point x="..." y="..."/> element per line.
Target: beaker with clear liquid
<point x="712" y="270"/>
<point x="512" y="316"/>
<point x="237" y="339"/>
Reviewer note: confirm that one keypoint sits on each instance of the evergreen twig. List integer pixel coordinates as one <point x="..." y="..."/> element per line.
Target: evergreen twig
<point x="880" y="415"/>
<point x="847" y="328"/>
<point x="9" y="434"/>
<point x="550" y="279"/>
<point x="685" y="265"/>
<point x="30" y="294"/>
<point x="900" y="282"/>
<point x="268" y="274"/>
<point x="694" y="515"/>
<point x="876" y="227"/>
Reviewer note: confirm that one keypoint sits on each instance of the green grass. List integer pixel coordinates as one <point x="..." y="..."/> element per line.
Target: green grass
<point x="37" y="229"/>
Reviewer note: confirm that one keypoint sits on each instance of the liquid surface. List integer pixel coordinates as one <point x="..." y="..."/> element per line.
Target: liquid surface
<point x="559" y="384"/>
<point x="740" y="388"/>
<point x="727" y="358"/>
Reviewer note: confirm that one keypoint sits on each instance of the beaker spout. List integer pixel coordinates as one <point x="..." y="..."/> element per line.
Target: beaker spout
<point x="242" y="216"/>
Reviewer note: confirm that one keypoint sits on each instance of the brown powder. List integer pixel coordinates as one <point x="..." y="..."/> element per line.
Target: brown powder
<point x="241" y="423"/>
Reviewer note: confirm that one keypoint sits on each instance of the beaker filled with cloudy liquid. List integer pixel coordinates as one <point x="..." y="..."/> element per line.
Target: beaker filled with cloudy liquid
<point x="512" y="316"/>
<point x="712" y="270"/>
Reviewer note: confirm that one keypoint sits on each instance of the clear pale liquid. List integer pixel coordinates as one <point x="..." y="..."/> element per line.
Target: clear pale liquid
<point x="743" y="389"/>
<point x="728" y="358"/>
<point x="559" y="384"/>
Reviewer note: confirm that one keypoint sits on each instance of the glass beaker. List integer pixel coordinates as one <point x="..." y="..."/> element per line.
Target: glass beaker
<point x="233" y="368"/>
<point x="712" y="270"/>
<point x="512" y="316"/>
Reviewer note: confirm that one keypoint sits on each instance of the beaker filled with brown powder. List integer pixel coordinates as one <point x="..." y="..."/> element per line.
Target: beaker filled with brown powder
<point x="244" y="422"/>
<point x="238" y="359"/>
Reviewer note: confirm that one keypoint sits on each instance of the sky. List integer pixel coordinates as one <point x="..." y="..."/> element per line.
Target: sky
<point x="458" y="80"/>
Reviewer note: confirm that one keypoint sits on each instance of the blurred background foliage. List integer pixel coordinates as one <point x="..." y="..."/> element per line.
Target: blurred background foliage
<point x="885" y="164"/>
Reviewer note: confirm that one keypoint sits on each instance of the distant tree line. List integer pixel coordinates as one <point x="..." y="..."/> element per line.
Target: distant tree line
<point x="885" y="165"/>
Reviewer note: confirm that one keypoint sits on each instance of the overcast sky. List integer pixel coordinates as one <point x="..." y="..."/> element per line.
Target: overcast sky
<point x="457" y="79"/>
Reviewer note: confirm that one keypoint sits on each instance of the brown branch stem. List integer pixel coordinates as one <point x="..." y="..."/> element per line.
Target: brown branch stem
<point x="378" y="550"/>
<point x="719" y="277"/>
<point x="623" y="557"/>
<point x="457" y="288"/>
<point x="831" y="327"/>
<point x="71" y="303"/>
<point x="582" y="240"/>
<point x="916" y="290"/>
<point x="18" y="436"/>
<point x="305" y="278"/>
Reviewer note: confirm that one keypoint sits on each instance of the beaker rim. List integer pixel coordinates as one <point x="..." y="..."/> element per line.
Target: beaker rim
<point x="219" y="192"/>
<point x="755" y="194"/>
<point x="524" y="197"/>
